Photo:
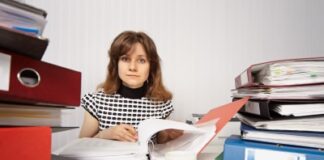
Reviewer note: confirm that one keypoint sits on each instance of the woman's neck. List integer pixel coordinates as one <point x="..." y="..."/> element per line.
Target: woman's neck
<point x="134" y="93"/>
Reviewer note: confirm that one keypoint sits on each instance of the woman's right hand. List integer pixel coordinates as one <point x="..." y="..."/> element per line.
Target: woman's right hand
<point x="122" y="132"/>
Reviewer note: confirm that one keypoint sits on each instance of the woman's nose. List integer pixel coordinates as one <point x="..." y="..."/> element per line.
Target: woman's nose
<point x="132" y="66"/>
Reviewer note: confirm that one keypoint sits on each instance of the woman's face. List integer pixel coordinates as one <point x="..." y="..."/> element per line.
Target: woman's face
<point x="134" y="67"/>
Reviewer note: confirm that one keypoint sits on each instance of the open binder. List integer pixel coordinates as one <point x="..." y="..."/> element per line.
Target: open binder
<point x="195" y="138"/>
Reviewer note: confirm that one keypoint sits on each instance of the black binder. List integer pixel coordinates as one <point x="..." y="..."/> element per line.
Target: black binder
<point x="264" y="108"/>
<point x="22" y="43"/>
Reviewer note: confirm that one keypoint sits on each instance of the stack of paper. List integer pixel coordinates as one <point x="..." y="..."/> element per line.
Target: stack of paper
<point x="312" y="124"/>
<point x="96" y="149"/>
<point x="272" y="109"/>
<point x="286" y="104"/>
<point x="33" y="115"/>
<point x="18" y="16"/>
<point x="297" y="92"/>
<point x="286" y="73"/>
<point x="298" y="110"/>
<point x="308" y="139"/>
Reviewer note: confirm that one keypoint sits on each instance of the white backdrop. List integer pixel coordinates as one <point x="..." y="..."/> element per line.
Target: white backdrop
<point x="203" y="44"/>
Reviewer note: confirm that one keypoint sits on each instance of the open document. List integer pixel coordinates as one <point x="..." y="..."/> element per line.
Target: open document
<point x="194" y="139"/>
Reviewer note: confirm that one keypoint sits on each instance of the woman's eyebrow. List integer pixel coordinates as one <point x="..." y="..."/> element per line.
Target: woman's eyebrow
<point x="141" y="55"/>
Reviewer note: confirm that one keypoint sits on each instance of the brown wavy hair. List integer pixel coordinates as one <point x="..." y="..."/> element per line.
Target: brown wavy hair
<point x="119" y="47"/>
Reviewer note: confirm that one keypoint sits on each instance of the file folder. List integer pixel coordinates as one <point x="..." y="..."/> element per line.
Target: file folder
<point x="22" y="43"/>
<point x="301" y="92"/>
<point x="308" y="123"/>
<point x="25" y="143"/>
<point x="249" y="78"/>
<point x="237" y="149"/>
<point x="37" y="82"/>
<point x="296" y="138"/>
<point x="267" y="108"/>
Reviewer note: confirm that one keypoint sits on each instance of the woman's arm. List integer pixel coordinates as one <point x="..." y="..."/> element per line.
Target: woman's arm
<point x="90" y="126"/>
<point x="122" y="132"/>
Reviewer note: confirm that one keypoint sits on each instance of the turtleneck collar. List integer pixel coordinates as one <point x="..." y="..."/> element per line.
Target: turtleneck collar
<point x="136" y="93"/>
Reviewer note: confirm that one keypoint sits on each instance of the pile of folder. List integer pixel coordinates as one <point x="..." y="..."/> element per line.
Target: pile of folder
<point x="284" y="117"/>
<point x="35" y="96"/>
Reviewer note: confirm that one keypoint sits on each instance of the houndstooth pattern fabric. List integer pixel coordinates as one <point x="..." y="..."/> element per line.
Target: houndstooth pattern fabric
<point x="112" y="110"/>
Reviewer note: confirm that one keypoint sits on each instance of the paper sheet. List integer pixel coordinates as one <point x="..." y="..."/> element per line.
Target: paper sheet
<point x="5" y="61"/>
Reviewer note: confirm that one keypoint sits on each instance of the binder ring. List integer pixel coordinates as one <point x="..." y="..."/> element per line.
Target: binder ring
<point x="29" y="77"/>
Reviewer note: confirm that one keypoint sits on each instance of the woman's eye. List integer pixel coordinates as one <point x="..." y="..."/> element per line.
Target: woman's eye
<point x="124" y="59"/>
<point x="142" y="60"/>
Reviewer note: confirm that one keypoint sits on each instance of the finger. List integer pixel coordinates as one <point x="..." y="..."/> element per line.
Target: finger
<point x="130" y="129"/>
<point x="129" y="138"/>
<point x="126" y="136"/>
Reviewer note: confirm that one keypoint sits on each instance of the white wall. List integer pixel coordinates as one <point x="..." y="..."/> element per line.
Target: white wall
<point x="203" y="44"/>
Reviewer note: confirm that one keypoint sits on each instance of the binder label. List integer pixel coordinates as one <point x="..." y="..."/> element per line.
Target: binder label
<point x="253" y="107"/>
<point x="262" y="154"/>
<point x="244" y="78"/>
<point x="5" y="61"/>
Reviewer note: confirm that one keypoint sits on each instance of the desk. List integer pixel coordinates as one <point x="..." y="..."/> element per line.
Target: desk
<point x="212" y="150"/>
<point x="216" y="146"/>
<point x="207" y="156"/>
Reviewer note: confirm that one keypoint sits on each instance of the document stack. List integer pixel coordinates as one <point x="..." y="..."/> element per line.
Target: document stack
<point x="284" y="116"/>
<point x="21" y="28"/>
<point x="35" y="96"/>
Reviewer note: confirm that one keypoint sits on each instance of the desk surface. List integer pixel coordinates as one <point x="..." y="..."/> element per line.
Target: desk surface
<point x="207" y="156"/>
<point x="212" y="150"/>
<point x="216" y="146"/>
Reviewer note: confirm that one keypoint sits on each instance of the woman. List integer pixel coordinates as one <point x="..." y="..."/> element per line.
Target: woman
<point x="132" y="92"/>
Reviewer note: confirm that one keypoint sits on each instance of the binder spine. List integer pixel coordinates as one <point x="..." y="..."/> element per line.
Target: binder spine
<point x="249" y="150"/>
<point x="43" y="83"/>
<point x="22" y="43"/>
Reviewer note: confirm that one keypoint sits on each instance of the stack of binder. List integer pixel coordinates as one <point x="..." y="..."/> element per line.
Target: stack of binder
<point x="35" y="96"/>
<point x="21" y="28"/>
<point x="285" y="113"/>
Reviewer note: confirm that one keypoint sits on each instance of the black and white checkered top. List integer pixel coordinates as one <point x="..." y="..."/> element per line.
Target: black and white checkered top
<point x="114" y="109"/>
